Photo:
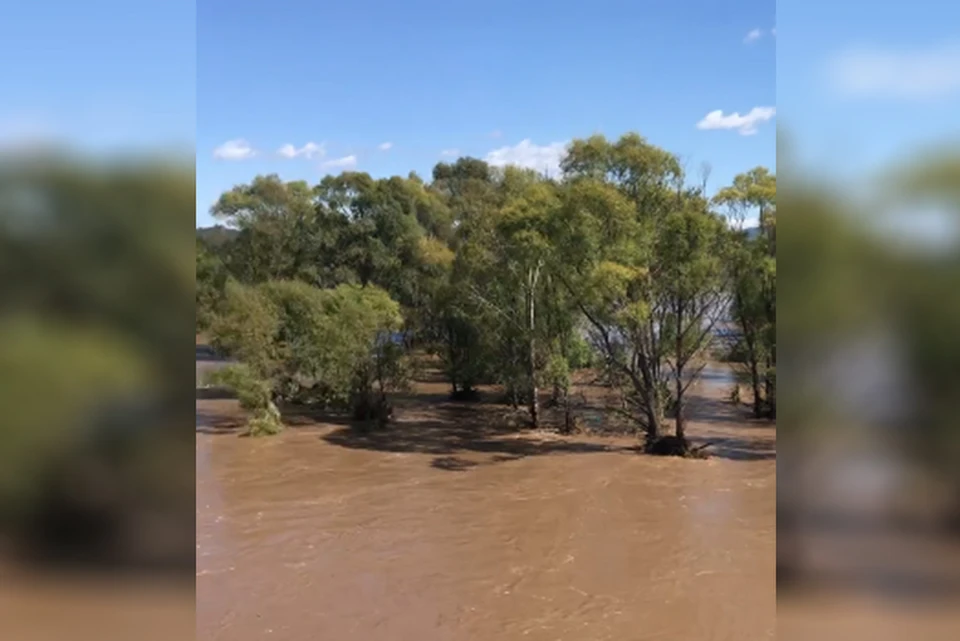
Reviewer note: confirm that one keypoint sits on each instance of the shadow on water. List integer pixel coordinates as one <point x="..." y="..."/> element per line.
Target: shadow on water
<point x="452" y="463"/>
<point x="447" y="437"/>
<point x="717" y="376"/>
<point x="431" y="423"/>
<point x="214" y="394"/>
<point x="206" y="354"/>
<point x="217" y="422"/>
<point x="739" y="449"/>
<point x="226" y="421"/>
<point x="464" y="432"/>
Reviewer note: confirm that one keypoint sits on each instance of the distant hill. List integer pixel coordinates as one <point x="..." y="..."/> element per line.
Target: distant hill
<point x="217" y="235"/>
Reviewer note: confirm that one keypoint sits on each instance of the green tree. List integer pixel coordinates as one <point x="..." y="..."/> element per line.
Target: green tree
<point x="753" y="271"/>
<point x="690" y="292"/>
<point x="522" y="246"/>
<point x="211" y="283"/>
<point x="281" y="231"/>
<point x="639" y="250"/>
<point x="315" y="346"/>
<point x="98" y="273"/>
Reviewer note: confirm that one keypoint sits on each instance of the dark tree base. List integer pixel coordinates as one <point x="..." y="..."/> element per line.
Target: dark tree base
<point x="674" y="446"/>
<point x="470" y="395"/>
<point x="373" y="412"/>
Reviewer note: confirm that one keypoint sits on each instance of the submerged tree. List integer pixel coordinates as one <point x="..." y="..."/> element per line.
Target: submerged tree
<point x="501" y="273"/>
<point x="640" y="258"/>
<point x="753" y="270"/>
<point x="314" y="346"/>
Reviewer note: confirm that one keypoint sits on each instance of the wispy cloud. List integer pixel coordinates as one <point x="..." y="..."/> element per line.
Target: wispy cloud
<point x="746" y="124"/>
<point x="755" y="34"/>
<point x="385" y="146"/>
<point x="923" y="74"/>
<point x="238" y="149"/>
<point x="340" y="163"/>
<point x="496" y="133"/>
<point x="309" y="151"/>
<point x="450" y="152"/>
<point x="543" y="158"/>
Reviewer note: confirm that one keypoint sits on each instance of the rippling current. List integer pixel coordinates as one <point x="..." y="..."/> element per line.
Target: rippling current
<point x="311" y="536"/>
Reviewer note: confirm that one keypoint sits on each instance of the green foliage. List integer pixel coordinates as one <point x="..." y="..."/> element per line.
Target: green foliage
<point x="98" y="276"/>
<point x="255" y="396"/>
<point x="312" y="345"/>
<point x="579" y="353"/>
<point x="557" y="372"/>
<point x="211" y="285"/>
<point x="642" y="256"/>
<point x="497" y="271"/>
<point x="95" y="365"/>
<point x="752" y="268"/>
<point x="253" y="393"/>
<point x="265" y="424"/>
<point x="245" y="328"/>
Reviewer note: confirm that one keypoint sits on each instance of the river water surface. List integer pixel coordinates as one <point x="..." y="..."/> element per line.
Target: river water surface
<point x="450" y="535"/>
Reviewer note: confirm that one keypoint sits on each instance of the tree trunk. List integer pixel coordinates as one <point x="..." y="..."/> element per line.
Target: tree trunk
<point x="653" y="418"/>
<point x="534" y="389"/>
<point x="451" y="358"/>
<point x="567" y="414"/>
<point x="769" y="396"/>
<point x="755" y="381"/>
<point x="532" y="356"/>
<point x="680" y="419"/>
<point x="557" y="397"/>
<point x="679" y="364"/>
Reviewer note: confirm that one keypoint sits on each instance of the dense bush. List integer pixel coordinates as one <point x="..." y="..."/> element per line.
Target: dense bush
<point x="303" y="344"/>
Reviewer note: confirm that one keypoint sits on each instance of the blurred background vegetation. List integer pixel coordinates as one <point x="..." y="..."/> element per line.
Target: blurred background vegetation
<point x="96" y="313"/>
<point x="868" y="475"/>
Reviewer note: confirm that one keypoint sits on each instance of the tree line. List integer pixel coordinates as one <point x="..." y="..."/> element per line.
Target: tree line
<point x="509" y="277"/>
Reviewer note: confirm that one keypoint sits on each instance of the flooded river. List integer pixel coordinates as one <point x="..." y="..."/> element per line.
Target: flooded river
<point x="449" y="532"/>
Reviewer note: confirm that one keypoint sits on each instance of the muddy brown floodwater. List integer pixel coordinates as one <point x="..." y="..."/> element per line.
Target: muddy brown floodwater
<point x="448" y="528"/>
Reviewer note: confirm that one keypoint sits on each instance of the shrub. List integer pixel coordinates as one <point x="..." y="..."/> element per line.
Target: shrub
<point x="303" y="344"/>
<point x="254" y="395"/>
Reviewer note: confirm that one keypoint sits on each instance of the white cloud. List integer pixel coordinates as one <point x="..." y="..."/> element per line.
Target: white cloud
<point x="287" y="151"/>
<point x="385" y="146"/>
<point x="342" y="163"/>
<point x="753" y="36"/>
<point x="912" y="75"/>
<point x="496" y="133"/>
<point x="450" y="152"/>
<point x="745" y="124"/>
<point x="543" y="158"/>
<point x="238" y="149"/>
<point x="309" y="151"/>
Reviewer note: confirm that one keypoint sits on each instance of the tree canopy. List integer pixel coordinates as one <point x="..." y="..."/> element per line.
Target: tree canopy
<point x="508" y="276"/>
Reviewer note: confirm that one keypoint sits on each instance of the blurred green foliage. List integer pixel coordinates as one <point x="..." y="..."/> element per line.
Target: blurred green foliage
<point x="850" y="275"/>
<point x="96" y="302"/>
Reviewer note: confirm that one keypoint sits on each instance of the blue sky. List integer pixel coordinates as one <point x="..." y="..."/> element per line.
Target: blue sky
<point x="429" y="77"/>
<point x="442" y="75"/>
<point x="98" y="74"/>
<point x="898" y="85"/>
